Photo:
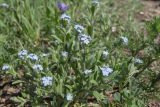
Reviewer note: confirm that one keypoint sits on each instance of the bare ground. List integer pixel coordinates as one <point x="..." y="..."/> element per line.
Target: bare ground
<point x="151" y="8"/>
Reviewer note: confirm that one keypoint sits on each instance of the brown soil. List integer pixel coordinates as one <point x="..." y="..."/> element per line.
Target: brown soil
<point x="151" y="8"/>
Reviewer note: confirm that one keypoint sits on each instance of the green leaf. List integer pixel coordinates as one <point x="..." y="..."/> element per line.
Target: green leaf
<point x="117" y="97"/>
<point x="57" y="38"/>
<point x="17" y="82"/>
<point x="93" y="82"/>
<point x="99" y="96"/>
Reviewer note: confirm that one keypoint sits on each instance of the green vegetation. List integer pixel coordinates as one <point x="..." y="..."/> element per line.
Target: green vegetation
<point x="89" y="53"/>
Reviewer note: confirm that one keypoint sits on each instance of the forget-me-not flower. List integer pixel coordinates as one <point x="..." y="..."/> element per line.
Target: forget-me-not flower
<point x="124" y="40"/>
<point x="64" y="54"/>
<point x="65" y="17"/>
<point x="138" y="61"/>
<point x="47" y="81"/>
<point x="33" y="57"/>
<point x="105" y="54"/>
<point x="84" y="39"/>
<point x="79" y="28"/>
<point x="62" y="6"/>
<point x="106" y="70"/>
<point x="37" y="67"/>
<point x="69" y="97"/>
<point x="22" y="54"/>
<point x="5" y="67"/>
<point x="87" y="71"/>
<point x="95" y="2"/>
<point x="4" y="5"/>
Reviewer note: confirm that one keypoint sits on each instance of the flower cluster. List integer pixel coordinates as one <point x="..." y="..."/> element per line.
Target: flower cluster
<point x="65" y="17"/>
<point x="6" y="67"/>
<point x="79" y="28"/>
<point x="37" y="67"/>
<point x="46" y="81"/>
<point x="33" y="57"/>
<point x="84" y="39"/>
<point x="22" y="54"/>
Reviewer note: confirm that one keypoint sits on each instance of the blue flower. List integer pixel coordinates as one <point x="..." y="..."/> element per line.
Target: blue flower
<point x="87" y="71"/>
<point x="79" y="28"/>
<point x="138" y="61"/>
<point x="95" y="2"/>
<point x="5" y="67"/>
<point x="69" y="97"/>
<point x="37" y="67"/>
<point x="105" y="54"/>
<point x="47" y="81"/>
<point x="125" y="40"/>
<point x="4" y="5"/>
<point x="106" y="70"/>
<point x="64" y="54"/>
<point x="62" y="7"/>
<point x="22" y="54"/>
<point x="33" y="57"/>
<point x="84" y="39"/>
<point x="65" y="17"/>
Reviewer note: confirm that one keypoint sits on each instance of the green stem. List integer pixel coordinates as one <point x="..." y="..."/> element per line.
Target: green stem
<point x="84" y="57"/>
